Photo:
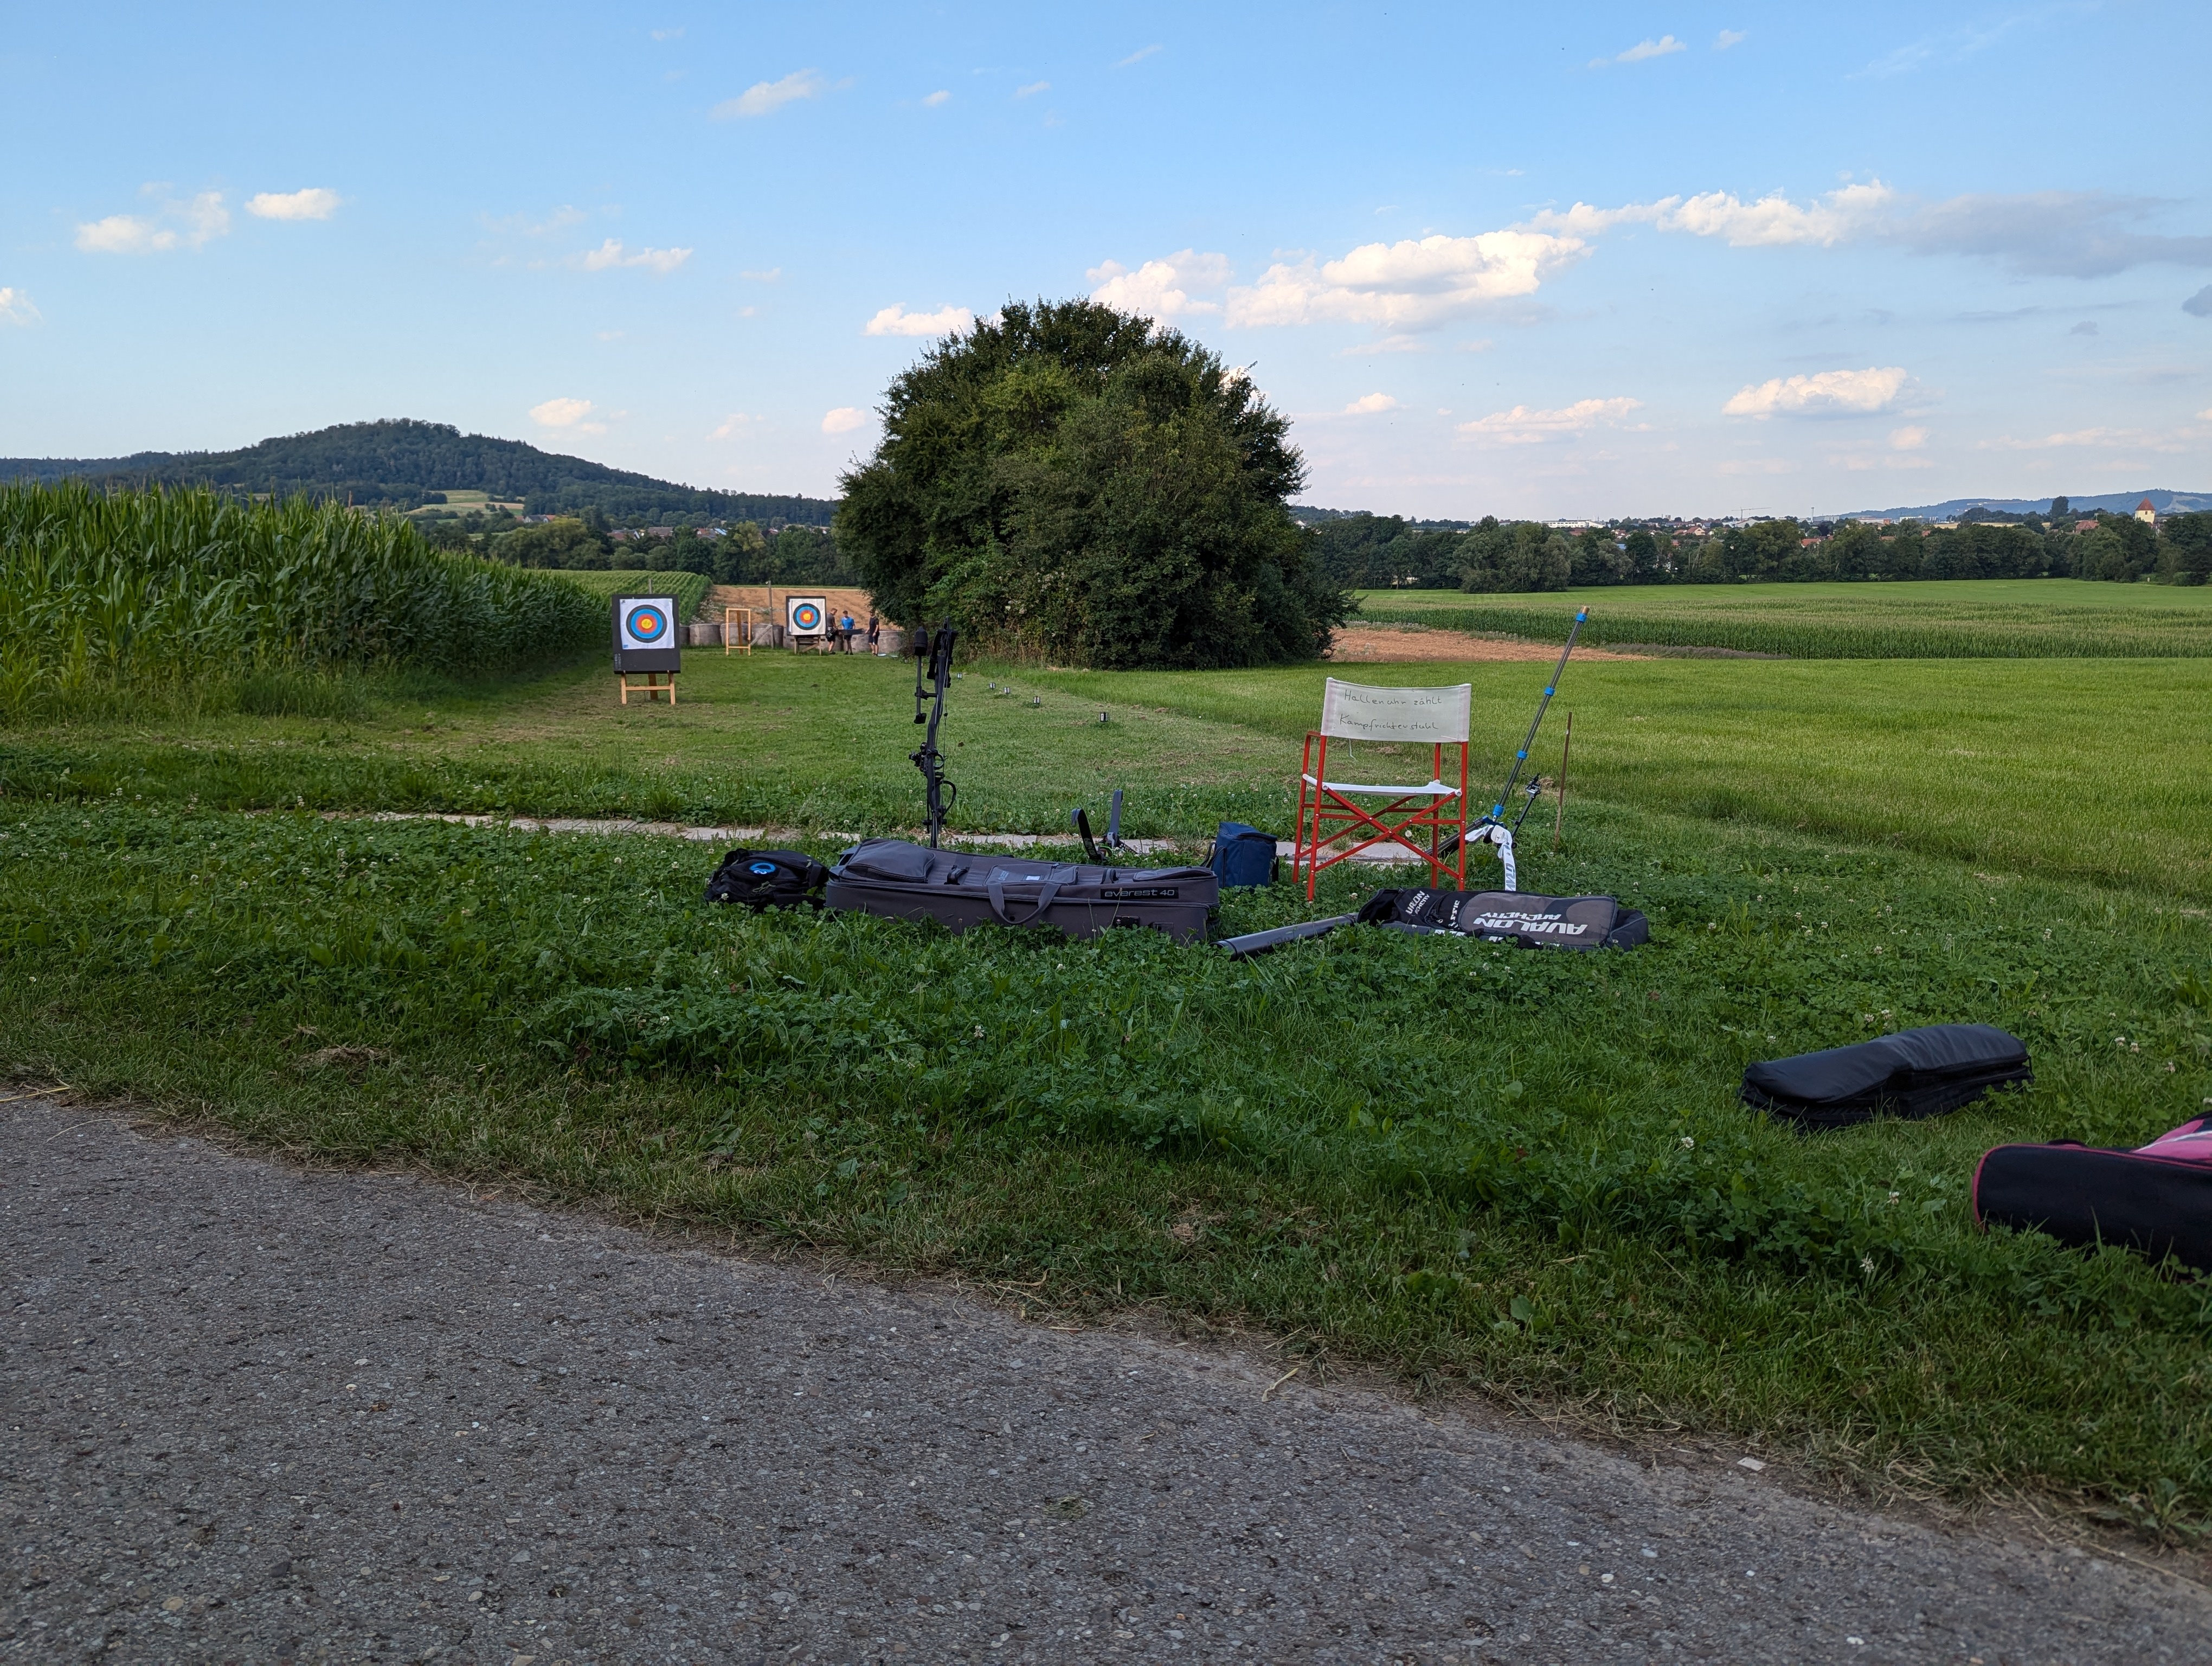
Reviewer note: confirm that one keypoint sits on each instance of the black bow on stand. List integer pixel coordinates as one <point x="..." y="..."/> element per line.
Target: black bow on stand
<point x="932" y="673"/>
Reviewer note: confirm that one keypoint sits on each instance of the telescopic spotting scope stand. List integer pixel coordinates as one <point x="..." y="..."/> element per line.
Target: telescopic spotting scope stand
<point x="932" y="675"/>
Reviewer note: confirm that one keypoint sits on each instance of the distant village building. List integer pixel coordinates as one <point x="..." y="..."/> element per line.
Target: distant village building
<point x="2146" y="515"/>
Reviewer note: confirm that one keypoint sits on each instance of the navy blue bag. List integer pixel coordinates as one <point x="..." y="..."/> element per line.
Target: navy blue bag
<point x="1244" y="856"/>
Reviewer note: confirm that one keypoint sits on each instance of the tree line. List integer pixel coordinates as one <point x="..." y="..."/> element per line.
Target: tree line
<point x="739" y="552"/>
<point x="1373" y="552"/>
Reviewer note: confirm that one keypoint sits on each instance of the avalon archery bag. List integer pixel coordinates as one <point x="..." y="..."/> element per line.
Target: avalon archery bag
<point x="1914" y="1073"/>
<point x="959" y="889"/>
<point x="769" y="879"/>
<point x="1511" y="917"/>
<point x="2156" y="1199"/>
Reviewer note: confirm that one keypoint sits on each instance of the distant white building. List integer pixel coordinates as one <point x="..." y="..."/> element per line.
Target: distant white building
<point x="2146" y="515"/>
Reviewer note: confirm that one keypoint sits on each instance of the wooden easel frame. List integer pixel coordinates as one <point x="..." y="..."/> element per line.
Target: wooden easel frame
<point x="652" y="688"/>
<point x="742" y="618"/>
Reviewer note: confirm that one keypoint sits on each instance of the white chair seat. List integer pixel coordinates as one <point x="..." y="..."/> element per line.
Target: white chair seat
<point x="1435" y="789"/>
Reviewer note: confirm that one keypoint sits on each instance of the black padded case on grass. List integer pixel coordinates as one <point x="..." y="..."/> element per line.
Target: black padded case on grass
<point x="1511" y="917"/>
<point x="959" y="889"/>
<point x="769" y="879"/>
<point x="2156" y="1199"/>
<point x="1914" y="1073"/>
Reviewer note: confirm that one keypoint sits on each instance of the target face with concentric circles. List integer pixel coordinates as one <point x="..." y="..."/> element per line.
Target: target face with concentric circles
<point x="806" y="616"/>
<point x="648" y="624"/>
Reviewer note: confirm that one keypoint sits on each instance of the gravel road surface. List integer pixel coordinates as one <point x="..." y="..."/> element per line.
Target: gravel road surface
<point x="259" y="1415"/>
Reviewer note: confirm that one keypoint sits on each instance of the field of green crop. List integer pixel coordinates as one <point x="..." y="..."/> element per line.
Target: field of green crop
<point x="1992" y="618"/>
<point x="689" y="589"/>
<point x="1514" y="1172"/>
<point x="165" y="592"/>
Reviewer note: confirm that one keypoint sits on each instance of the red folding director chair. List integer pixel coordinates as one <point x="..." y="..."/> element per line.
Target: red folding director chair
<point x="1428" y="819"/>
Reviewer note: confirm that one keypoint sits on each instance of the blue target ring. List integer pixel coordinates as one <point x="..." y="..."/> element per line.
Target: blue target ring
<point x="648" y="624"/>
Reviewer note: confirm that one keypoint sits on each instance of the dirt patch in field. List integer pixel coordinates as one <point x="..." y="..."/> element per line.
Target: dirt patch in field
<point x="1373" y="644"/>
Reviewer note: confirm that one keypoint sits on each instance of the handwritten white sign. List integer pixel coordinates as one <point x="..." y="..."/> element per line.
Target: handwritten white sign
<point x="1354" y="711"/>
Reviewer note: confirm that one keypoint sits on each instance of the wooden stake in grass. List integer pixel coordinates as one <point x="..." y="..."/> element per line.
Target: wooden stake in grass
<point x="1559" y="816"/>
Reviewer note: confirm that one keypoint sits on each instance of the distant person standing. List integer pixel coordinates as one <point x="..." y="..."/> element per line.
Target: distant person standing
<point x="845" y="630"/>
<point x="875" y="635"/>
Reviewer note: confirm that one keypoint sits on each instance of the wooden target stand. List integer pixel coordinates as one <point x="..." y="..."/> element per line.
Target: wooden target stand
<point x="650" y="690"/>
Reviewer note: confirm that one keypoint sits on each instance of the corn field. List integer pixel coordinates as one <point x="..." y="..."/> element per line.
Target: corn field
<point x="137" y="590"/>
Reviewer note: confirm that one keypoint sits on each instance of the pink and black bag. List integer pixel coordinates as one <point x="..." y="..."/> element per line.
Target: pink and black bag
<point x="2156" y="1198"/>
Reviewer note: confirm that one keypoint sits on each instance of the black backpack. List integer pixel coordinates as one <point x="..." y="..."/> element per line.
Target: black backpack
<point x="769" y="879"/>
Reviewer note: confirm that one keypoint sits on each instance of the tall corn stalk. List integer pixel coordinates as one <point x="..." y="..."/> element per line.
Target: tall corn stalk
<point x="177" y="587"/>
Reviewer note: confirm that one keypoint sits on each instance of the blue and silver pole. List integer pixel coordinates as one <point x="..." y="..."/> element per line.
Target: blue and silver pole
<point x="1528" y="740"/>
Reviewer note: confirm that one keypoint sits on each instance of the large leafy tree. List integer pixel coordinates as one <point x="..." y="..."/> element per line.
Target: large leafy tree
<point x="1070" y="483"/>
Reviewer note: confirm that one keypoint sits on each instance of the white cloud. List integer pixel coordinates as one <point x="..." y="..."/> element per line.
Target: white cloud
<point x="734" y="425"/>
<point x="843" y="420"/>
<point x="1756" y="466"/>
<point x="611" y="254"/>
<point x="566" y="215"/>
<point x="1851" y="211"/>
<point x="1830" y="393"/>
<point x="15" y="308"/>
<point x="1522" y="427"/>
<point x="668" y="34"/>
<point x="938" y="97"/>
<point x="896" y="320"/>
<point x="765" y="98"/>
<point x="1406" y="285"/>
<point x="1907" y="439"/>
<point x="768" y="277"/>
<point x="2103" y="439"/>
<point x="1369" y="404"/>
<point x="1642" y="49"/>
<point x="1032" y="89"/>
<point x="566" y="414"/>
<point x="1139" y="56"/>
<point x="180" y="225"/>
<point x="1161" y="288"/>
<point x="1727" y="38"/>
<point x="314" y="203"/>
<point x="2064" y="233"/>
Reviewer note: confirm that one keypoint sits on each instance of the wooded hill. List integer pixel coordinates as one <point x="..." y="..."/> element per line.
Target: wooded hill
<point x="404" y="464"/>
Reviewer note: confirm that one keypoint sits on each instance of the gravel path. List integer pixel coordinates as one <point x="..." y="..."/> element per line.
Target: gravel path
<point x="253" y="1415"/>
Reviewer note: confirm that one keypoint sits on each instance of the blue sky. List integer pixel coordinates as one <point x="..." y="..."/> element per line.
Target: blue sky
<point x="1604" y="259"/>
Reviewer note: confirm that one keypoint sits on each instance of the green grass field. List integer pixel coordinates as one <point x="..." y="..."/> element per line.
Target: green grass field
<point x="1521" y="1172"/>
<point x="2082" y="768"/>
<point x="1987" y="618"/>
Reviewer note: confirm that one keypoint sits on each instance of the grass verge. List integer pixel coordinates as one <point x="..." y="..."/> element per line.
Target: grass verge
<point x="1521" y="1172"/>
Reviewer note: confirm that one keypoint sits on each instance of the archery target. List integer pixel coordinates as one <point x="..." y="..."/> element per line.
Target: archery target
<point x="648" y="622"/>
<point x="807" y="616"/>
